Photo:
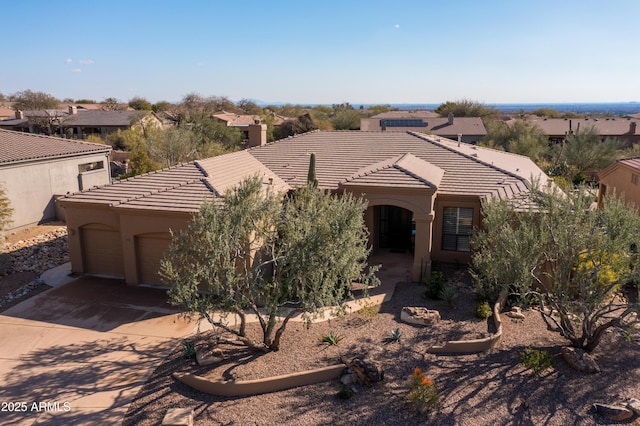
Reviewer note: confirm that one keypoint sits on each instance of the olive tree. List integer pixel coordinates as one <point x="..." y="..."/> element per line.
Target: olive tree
<point x="580" y="263"/>
<point x="254" y="252"/>
<point x="584" y="151"/>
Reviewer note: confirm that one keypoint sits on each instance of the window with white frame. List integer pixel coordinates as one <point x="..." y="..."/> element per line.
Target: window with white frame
<point x="457" y="225"/>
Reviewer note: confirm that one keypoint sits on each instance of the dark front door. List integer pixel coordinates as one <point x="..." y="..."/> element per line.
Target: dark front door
<point x="395" y="228"/>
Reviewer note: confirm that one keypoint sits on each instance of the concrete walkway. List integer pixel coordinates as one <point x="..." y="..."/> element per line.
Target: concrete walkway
<point x="80" y="352"/>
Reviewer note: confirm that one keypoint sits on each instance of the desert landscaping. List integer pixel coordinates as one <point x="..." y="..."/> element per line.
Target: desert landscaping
<point x="473" y="389"/>
<point x="490" y="387"/>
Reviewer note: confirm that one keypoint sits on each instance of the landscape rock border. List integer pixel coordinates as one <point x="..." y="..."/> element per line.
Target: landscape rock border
<point x="476" y="345"/>
<point x="259" y="386"/>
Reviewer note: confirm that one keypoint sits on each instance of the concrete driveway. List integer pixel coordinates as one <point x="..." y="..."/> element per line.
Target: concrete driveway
<point x="80" y="352"/>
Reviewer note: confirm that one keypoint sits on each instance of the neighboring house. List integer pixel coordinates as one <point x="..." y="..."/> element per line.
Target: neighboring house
<point x="78" y="123"/>
<point x="34" y="169"/>
<point x="466" y="129"/>
<point x="557" y="129"/>
<point x="424" y="195"/>
<point x="622" y="178"/>
<point x="250" y="125"/>
<point x="6" y="112"/>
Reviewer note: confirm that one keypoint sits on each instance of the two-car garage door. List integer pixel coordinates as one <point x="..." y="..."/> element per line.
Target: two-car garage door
<point x="103" y="254"/>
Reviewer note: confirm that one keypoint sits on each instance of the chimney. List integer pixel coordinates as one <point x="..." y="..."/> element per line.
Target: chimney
<point x="19" y="115"/>
<point x="450" y="118"/>
<point x="257" y="134"/>
<point x="73" y="110"/>
<point x="632" y="127"/>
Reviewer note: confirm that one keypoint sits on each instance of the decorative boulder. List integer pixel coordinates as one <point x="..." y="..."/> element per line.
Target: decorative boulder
<point x="612" y="412"/>
<point x="419" y="315"/>
<point x="634" y="405"/>
<point x="214" y="357"/>
<point x="579" y="360"/>
<point x="515" y="313"/>
<point x="368" y="371"/>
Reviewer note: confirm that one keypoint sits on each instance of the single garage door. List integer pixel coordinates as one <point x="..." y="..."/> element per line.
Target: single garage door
<point x="101" y="251"/>
<point x="150" y="250"/>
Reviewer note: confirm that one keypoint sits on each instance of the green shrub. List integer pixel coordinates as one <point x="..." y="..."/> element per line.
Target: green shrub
<point x="345" y="392"/>
<point x="536" y="360"/>
<point x="368" y="311"/>
<point x="435" y="285"/>
<point x="449" y="295"/>
<point x="188" y="349"/>
<point x="332" y="338"/>
<point x="483" y="310"/>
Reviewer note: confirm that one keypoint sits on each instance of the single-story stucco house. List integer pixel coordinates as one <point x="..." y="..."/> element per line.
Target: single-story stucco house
<point x="35" y="169"/>
<point x="424" y="195"/>
<point x="466" y="129"/>
<point x="78" y="123"/>
<point x="621" y="178"/>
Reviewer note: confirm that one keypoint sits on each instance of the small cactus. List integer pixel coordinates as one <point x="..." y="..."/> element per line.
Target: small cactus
<point x="396" y="334"/>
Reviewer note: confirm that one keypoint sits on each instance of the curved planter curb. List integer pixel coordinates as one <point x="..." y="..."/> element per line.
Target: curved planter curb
<point x="258" y="386"/>
<point x="476" y="345"/>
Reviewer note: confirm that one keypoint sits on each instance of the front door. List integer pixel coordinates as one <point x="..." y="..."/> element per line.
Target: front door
<point x="395" y="228"/>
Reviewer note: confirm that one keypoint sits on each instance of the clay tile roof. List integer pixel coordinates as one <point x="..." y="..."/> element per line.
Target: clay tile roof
<point x="401" y="171"/>
<point x="612" y="126"/>
<point x="340" y="155"/>
<point x="17" y="147"/>
<point x="226" y="171"/>
<point x="409" y="160"/>
<point x="178" y="188"/>
<point x="633" y="162"/>
<point x="407" y="114"/>
<point x="102" y="118"/>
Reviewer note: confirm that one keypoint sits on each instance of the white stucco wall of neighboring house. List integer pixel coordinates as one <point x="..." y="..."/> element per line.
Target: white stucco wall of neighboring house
<point x="32" y="187"/>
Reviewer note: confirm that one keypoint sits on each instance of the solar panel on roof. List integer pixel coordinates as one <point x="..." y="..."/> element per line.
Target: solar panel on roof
<point x="403" y="122"/>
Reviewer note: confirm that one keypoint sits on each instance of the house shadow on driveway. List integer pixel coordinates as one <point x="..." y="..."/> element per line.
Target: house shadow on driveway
<point x="98" y="304"/>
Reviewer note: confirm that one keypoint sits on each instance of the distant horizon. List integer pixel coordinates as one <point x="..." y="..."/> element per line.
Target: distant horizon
<point x="630" y="107"/>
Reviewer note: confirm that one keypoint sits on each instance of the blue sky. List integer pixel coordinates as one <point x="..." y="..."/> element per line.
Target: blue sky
<point x="324" y="51"/>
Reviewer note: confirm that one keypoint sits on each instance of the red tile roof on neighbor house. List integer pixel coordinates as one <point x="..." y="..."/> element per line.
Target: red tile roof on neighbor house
<point x="343" y="159"/>
<point x="19" y="147"/>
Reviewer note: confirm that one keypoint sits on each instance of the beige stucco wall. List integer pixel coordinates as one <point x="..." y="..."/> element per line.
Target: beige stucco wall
<point x="131" y="225"/>
<point x="419" y="202"/>
<point x="442" y="201"/>
<point x="619" y="182"/>
<point x="31" y="187"/>
<point x="153" y="226"/>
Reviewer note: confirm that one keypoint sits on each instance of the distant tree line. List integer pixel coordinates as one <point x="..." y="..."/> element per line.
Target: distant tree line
<point x="197" y="134"/>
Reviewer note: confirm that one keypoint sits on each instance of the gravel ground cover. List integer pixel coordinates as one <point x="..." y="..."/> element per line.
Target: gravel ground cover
<point x="478" y="389"/>
<point x="27" y="254"/>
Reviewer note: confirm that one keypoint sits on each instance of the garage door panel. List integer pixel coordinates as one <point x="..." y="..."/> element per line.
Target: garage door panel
<point x="101" y="251"/>
<point x="150" y="249"/>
